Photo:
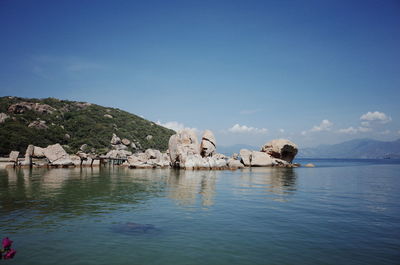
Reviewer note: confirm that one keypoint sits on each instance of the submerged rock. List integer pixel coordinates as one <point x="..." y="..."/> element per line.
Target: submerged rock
<point x="132" y="228"/>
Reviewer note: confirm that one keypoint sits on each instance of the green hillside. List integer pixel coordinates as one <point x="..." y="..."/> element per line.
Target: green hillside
<point x="72" y="124"/>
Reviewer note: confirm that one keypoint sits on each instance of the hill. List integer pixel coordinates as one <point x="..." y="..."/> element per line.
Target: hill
<point x="42" y="122"/>
<point x="358" y="148"/>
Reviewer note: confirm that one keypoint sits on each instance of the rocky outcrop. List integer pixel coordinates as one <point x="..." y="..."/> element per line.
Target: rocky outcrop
<point x="208" y="144"/>
<point x="245" y="157"/>
<point x="22" y="107"/>
<point x="281" y="148"/>
<point x="41" y="125"/>
<point x="234" y="164"/>
<point x="57" y="155"/>
<point x="185" y="152"/>
<point x="108" y="116"/>
<point x="13" y="157"/>
<point x="3" y="117"/>
<point x="260" y="159"/>
<point x="149" y="159"/>
<point x="115" y="139"/>
<point x="181" y="146"/>
<point x="118" y="144"/>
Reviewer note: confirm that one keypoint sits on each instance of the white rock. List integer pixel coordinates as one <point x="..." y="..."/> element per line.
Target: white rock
<point x="281" y="148"/>
<point x="208" y="144"/>
<point x="182" y="145"/>
<point x="57" y="155"/>
<point x="261" y="159"/>
<point x="126" y="141"/>
<point x="233" y="164"/>
<point x="13" y="156"/>
<point x="115" y="139"/>
<point x="245" y="155"/>
<point x="38" y="152"/>
<point x="3" y="117"/>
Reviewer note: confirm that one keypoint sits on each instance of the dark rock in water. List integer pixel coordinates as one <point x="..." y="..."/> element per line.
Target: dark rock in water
<point x="131" y="228"/>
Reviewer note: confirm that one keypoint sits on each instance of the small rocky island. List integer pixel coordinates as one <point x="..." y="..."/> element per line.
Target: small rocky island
<point x="184" y="152"/>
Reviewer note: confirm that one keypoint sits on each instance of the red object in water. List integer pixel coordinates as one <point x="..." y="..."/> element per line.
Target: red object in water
<point x="10" y="254"/>
<point x="7" y="243"/>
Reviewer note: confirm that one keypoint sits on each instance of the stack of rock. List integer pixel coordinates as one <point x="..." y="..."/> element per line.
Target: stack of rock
<point x="55" y="154"/>
<point x="185" y="152"/>
<point x="149" y="159"/>
<point x="279" y="152"/>
<point x="119" y="147"/>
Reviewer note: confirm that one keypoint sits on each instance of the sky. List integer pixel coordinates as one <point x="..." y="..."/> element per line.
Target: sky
<point x="315" y="72"/>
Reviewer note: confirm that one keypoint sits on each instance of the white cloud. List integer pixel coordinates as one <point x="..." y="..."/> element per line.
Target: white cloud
<point x="375" y="116"/>
<point x="364" y="129"/>
<point x="303" y="132"/>
<point x="325" y="125"/>
<point x="365" y="123"/>
<point x="349" y="130"/>
<point x="352" y="130"/>
<point x="385" y="132"/>
<point x="176" y="126"/>
<point x="237" y="128"/>
<point x="281" y="130"/>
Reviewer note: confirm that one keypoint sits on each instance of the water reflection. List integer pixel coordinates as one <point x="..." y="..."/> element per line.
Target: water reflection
<point x="185" y="186"/>
<point x="91" y="191"/>
<point x="275" y="181"/>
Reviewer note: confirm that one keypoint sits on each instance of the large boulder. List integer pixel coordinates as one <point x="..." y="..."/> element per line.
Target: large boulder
<point x="126" y="141"/>
<point x="13" y="156"/>
<point x="281" y="148"/>
<point x="3" y="117"/>
<point x="115" y="140"/>
<point x="57" y="155"/>
<point x="182" y="145"/>
<point x="208" y="144"/>
<point x="149" y="159"/>
<point x="234" y="163"/>
<point x="246" y="156"/>
<point x="38" y="152"/>
<point x="261" y="159"/>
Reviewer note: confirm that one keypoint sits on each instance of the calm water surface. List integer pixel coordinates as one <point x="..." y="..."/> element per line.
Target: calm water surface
<point x="341" y="212"/>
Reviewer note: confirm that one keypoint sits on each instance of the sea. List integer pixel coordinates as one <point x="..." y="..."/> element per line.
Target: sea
<point x="341" y="211"/>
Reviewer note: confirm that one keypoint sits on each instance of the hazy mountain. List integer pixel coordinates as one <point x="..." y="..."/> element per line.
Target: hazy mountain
<point x="229" y="150"/>
<point x="358" y="148"/>
<point x="47" y="121"/>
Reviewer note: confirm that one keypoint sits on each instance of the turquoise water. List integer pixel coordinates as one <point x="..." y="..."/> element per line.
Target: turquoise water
<point x="341" y="212"/>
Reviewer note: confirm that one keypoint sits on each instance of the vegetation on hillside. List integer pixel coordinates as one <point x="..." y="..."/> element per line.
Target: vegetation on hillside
<point x="73" y="124"/>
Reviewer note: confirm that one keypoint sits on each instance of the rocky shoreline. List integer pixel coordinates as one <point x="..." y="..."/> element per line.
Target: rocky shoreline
<point x="184" y="152"/>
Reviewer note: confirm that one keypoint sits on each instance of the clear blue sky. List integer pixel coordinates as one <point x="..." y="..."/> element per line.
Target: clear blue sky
<point x="248" y="70"/>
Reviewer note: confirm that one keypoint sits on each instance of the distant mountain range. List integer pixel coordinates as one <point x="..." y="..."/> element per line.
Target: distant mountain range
<point x="358" y="148"/>
<point x="229" y="150"/>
